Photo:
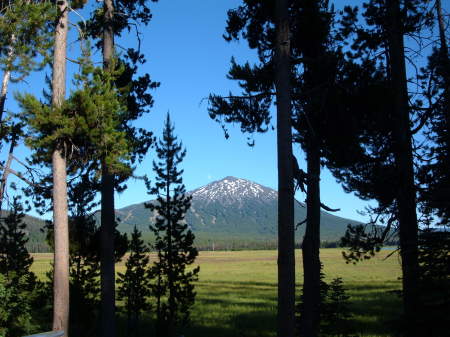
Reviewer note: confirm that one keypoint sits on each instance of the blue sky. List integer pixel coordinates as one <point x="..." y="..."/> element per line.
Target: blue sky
<point x="185" y="51"/>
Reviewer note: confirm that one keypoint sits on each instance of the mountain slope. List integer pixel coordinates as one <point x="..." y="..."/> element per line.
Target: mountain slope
<point x="236" y="209"/>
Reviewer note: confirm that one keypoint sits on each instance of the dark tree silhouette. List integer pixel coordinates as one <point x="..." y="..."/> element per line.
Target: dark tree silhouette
<point x="134" y="285"/>
<point x="107" y="22"/>
<point x="378" y="160"/>
<point x="265" y="25"/>
<point x="173" y="288"/>
<point x="434" y="173"/>
<point x="15" y="261"/>
<point x="315" y="63"/>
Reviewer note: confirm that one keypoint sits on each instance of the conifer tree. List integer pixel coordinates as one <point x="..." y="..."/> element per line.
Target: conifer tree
<point x="174" y="288"/>
<point x="434" y="173"/>
<point x="106" y="23"/>
<point x="375" y="158"/>
<point x="15" y="261"/>
<point x="266" y="27"/>
<point x="314" y="69"/>
<point x="134" y="284"/>
<point x="84" y="260"/>
<point x="17" y="282"/>
<point x="26" y="30"/>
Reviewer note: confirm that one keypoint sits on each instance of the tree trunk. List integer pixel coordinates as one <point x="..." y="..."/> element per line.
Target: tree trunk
<point x="445" y="59"/>
<point x="6" y="78"/>
<point x="60" y="221"/>
<point x="286" y="257"/>
<point x="311" y="243"/>
<point x="170" y="277"/>
<point x="107" y="270"/>
<point x="406" y="198"/>
<point x="7" y="171"/>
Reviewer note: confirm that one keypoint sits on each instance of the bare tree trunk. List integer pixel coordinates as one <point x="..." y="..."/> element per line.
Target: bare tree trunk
<point x="6" y="78"/>
<point x="107" y="272"/>
<point x="61" y="228"/>
<point x="406" y="198"/>
<point x="286" y="256"/>
<point x="311" y="243"/>
<point x="7" y="171"/>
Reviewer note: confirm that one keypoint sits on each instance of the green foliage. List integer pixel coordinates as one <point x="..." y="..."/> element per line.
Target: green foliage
<point x="88" y="121"/>
<point x="334" y="308"/>
<point x="336" y="312"/>
<point x="15" y="306"/>
<point x="131" y="12"/>
<point x="134" y="286"/>
<point x="84" y="260"/>
<point x="173" y="287"/>
<point x="31" y="24"/>
<point x="14" y="257"/>
<point x="19" y="290"/>
<point x="434" y="260"/>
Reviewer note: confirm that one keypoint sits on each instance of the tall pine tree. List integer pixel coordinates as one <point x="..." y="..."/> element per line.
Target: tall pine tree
<point x="107" y="22"/>
<point x="174" y="288"/>
<point x="375" y="154"/>
<point x="266" y="27"/>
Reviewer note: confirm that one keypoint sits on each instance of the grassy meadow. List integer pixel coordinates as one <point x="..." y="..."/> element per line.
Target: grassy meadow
<point x="236" y="291"/>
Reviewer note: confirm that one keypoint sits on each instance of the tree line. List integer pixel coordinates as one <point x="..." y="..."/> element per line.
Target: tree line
<point x="339" y="81"/>
<point x="343" y="95"/>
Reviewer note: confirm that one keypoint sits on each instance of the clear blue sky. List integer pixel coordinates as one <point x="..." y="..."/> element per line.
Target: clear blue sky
<point x="185" y="51"/>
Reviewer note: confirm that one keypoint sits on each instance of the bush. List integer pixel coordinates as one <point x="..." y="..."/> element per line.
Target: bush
<point x="335" y="315"/>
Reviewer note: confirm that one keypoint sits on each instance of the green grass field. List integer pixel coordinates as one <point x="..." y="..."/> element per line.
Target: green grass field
<point x="236" y="291"/>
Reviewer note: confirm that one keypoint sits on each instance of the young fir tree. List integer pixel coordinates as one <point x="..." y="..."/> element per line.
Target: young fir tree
<point x="15" y="261"/>
<point x="18" y="283"/>
<point x="174" y="289"/>
<point x="84" y="259"/>
<point x="334" y="309"/>
<point x="134" y="285"/>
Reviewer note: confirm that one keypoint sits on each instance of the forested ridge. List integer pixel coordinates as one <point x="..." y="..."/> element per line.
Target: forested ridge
<point x="359" y="91"/>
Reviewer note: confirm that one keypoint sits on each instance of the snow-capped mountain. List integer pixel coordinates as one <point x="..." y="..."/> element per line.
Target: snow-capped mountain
<point x="231" y="190"/>
<point x="236" y="209"/>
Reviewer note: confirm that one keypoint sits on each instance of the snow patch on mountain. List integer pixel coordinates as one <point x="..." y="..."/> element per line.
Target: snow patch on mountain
<point x="231" y="190"/>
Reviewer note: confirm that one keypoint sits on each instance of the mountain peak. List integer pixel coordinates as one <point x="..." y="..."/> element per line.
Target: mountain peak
<point x="233" y="190"/>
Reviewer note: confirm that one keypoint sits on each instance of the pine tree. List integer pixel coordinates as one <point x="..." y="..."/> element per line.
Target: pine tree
<point x="174" y="288"/>
<point x="15" y="261"/>
<point x="26" y="30"/>
<point x="375" y="158"/>
<point x="134" y="285"/>
<point x="17" y="282"/>
<point x="84" y="259"/>
<point x="60" y="216"/>
<point x="105" y="24"/>
<point x="266" y="27"/>
<point x="434" y="172"/>
<point x="334" y="309"/>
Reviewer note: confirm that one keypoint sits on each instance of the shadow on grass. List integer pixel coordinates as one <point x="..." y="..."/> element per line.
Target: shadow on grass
<point x="251" y="324"/>
<point x="248" y="309"/>
<point x="376" y="310"/>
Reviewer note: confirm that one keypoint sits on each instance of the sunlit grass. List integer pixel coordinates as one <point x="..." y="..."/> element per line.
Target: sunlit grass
<point x="236" y="291"/>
